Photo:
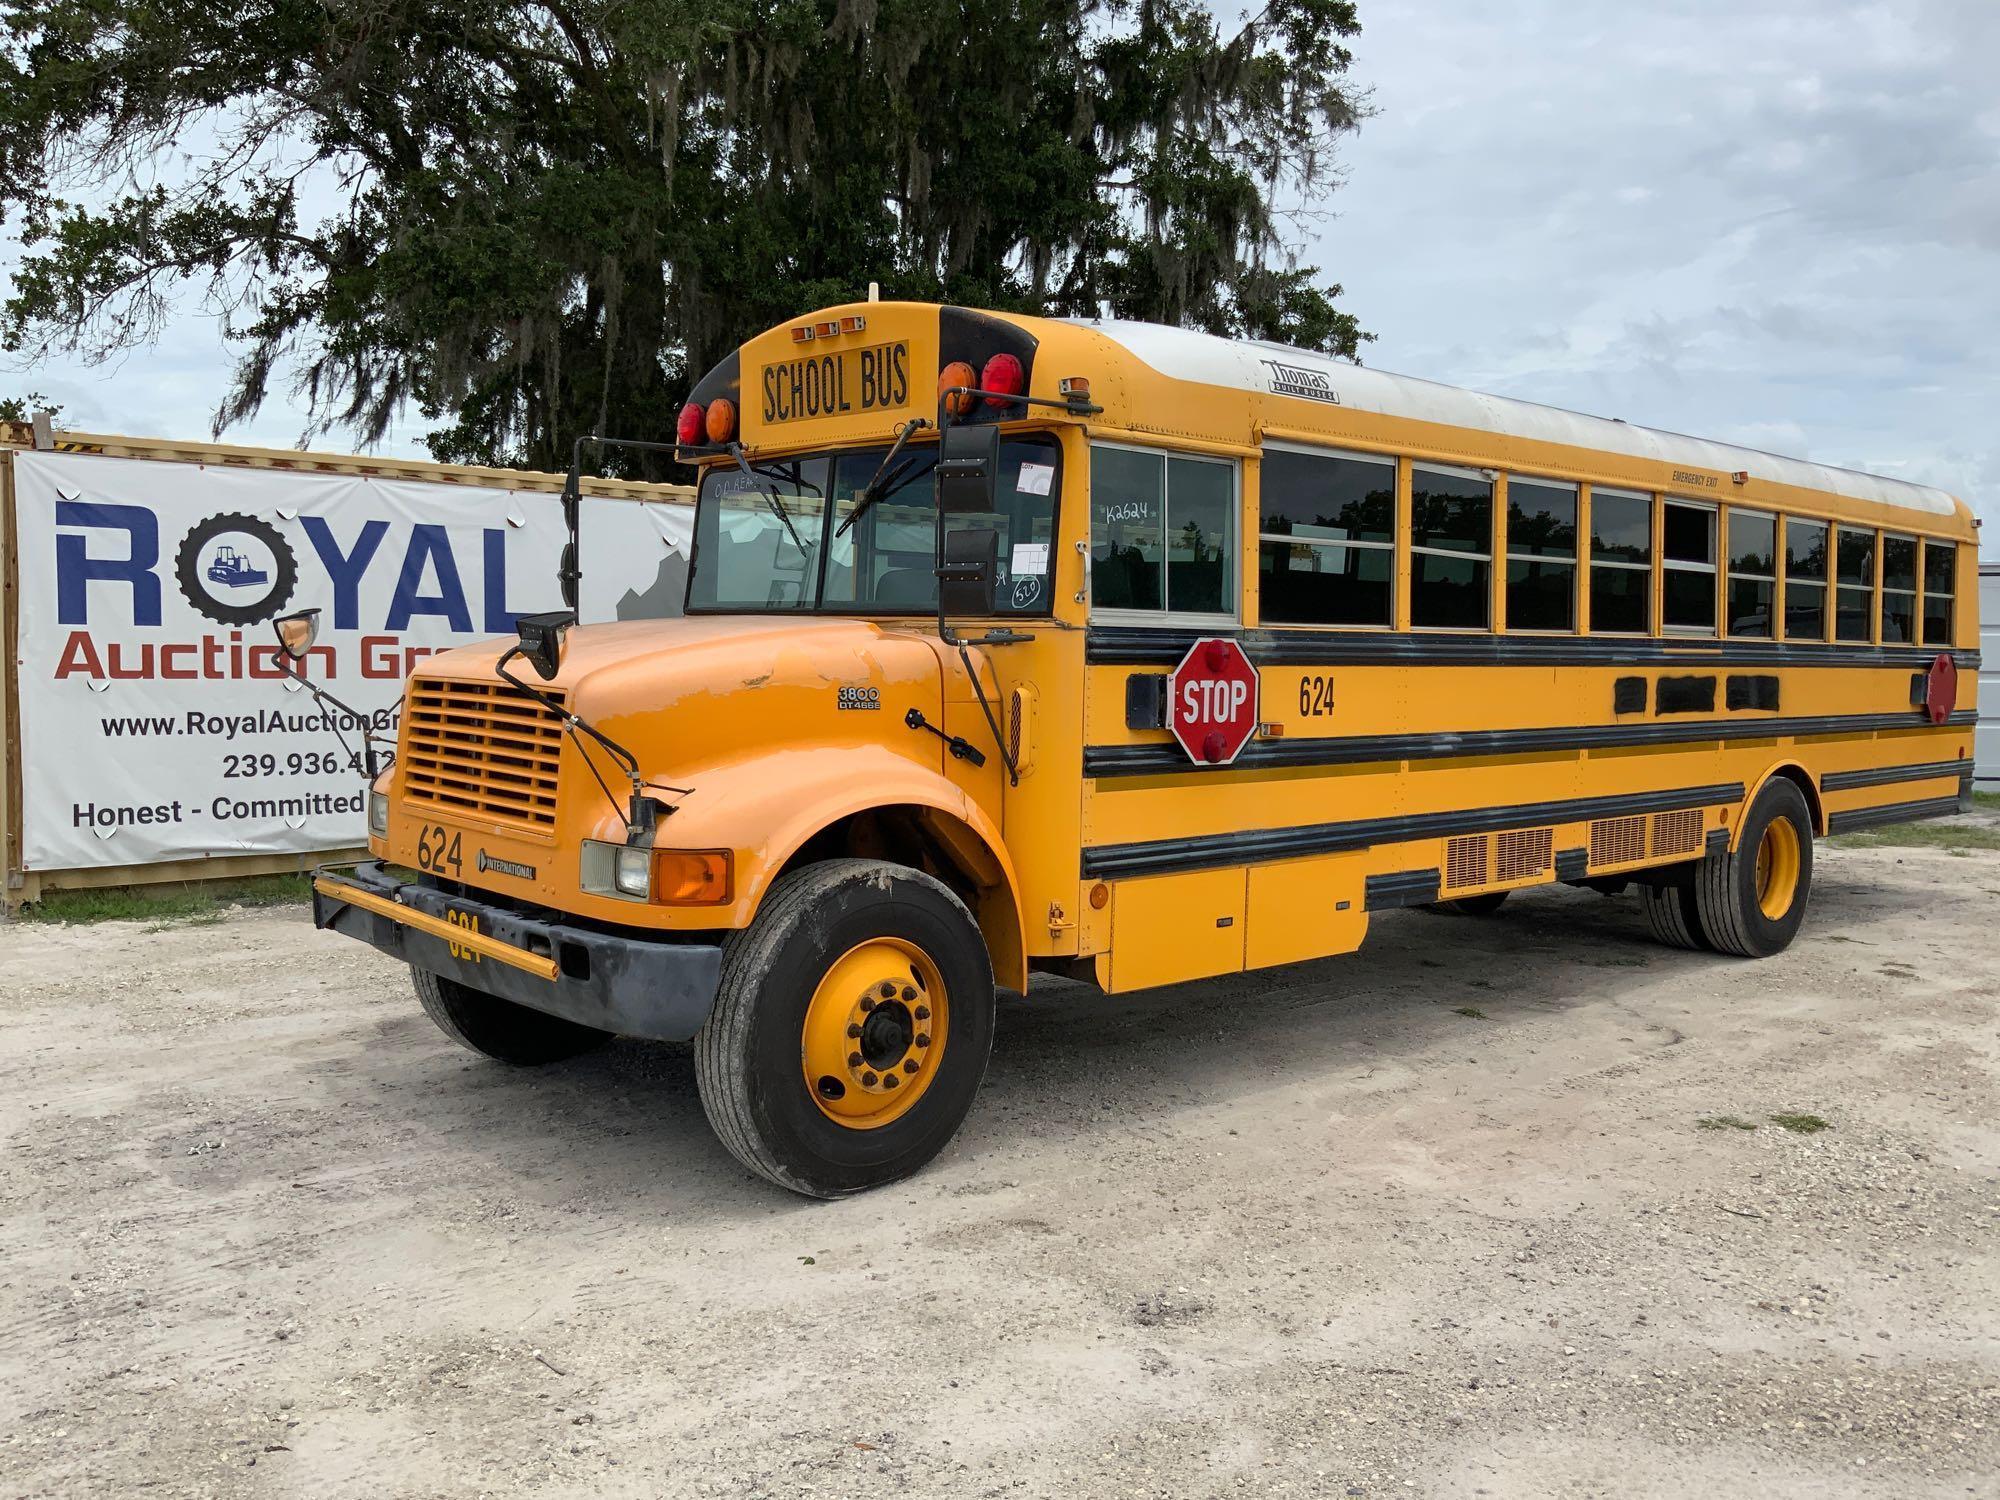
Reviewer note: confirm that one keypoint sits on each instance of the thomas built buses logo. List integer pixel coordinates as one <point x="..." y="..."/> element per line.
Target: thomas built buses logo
<point x="1297" y="380"/>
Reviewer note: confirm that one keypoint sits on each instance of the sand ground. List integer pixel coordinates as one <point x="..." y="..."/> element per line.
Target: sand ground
<point x="264" y="1231"/>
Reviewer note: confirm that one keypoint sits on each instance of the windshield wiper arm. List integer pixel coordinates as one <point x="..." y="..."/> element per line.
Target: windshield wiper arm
<point x="875" y="489"/>
<point x="770" y="493"/>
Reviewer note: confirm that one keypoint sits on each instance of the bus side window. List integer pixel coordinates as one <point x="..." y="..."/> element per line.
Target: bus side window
<point x="1753" y="573"/>
<point x="1326" y="544"/>
<point x="1899" y="590"/>
<point x="1621" y="561"/>
<point x="1855" y="562"/>
<point x="1162" y="532"/>
<point x="1940" y="585"/>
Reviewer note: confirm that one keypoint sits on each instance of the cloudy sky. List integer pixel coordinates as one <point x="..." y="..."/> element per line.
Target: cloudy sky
<point x="1772" y="221"/>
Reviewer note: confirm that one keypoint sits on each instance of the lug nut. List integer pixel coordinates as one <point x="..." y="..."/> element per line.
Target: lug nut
<point x="909" y="993"/>
<point x="854" y="1059"/>
<point x="888" y="990"/>
<point x="909" y="1065"/>
<point x="867" y="1005"/>
<point x="869" y="1080"/>
<point x="923" y="1012"/>
<point x="923" y="1039"/>
<point x="854" y="1031"/>
<point x="890" y="1081"/>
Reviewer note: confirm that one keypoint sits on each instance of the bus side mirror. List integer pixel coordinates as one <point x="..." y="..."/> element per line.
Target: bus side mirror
<point x="968" y="471"/>
<point x="965" y="579"/>
<point x="297" y="632"/>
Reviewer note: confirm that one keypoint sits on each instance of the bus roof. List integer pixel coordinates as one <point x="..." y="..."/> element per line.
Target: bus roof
<point x="1252" y="365"/>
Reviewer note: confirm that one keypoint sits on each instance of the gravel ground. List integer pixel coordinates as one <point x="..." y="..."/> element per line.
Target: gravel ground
<point x="1440" y="1219"/>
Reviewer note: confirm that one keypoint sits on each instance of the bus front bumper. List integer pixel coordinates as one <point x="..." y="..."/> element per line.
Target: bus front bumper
<point x="631" y="986"/>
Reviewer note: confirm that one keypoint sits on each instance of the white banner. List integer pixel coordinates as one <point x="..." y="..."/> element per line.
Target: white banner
<point x="154" y="721"/>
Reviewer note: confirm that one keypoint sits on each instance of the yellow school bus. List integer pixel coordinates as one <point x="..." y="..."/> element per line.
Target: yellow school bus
<point x="924" y="728"/>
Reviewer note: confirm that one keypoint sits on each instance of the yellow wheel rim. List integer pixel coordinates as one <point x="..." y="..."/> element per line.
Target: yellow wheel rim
<point x="874" y="1035"/>
<point x="1777" y="868"/>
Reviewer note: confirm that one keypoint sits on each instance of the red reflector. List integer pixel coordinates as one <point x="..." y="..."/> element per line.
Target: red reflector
<point x="957" y="373"/>
<point x="721" y="422"/>
<point x="827" y="329"/>
<point x="802" y="334"/>
<point x="689" y="429"/>
<point x="853" y="323"/>
<point x="1003" y="376"/>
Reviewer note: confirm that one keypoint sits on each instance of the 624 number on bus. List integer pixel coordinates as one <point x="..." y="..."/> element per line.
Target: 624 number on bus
<point x="1315" y="697"/>
<point x="439" y="850"/>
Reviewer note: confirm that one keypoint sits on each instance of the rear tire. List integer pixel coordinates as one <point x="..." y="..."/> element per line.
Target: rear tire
<point x="800" y="987"/>
<point x="1672" y="917"/>
<point x="1471" y="906"/>
<point x="1751" y="899"/>
<point x="498" y="1028"/>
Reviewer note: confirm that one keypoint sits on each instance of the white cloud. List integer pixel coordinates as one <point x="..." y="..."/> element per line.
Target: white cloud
<point x="1772" y="222"/>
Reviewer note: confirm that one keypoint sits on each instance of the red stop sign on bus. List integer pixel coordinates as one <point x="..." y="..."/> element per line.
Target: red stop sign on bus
<point x="1212" y="701"/>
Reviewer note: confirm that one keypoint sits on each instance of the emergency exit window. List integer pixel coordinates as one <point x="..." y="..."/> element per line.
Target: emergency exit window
<point x="1162" y="532"/>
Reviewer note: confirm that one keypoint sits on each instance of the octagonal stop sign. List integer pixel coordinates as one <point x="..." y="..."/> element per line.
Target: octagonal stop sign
<point x="1212" y="701"/>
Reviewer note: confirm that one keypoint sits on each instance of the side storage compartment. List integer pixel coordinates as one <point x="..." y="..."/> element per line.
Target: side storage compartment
<point x="1169" y="928"/>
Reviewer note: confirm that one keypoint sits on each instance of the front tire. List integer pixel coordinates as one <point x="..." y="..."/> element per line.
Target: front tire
<point x="501" y="1029"/>
<point x="1751" y="899"/>
<point x="850" y="1029"/>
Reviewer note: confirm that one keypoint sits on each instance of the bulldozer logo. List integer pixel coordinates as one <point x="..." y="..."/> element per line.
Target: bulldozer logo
<point x="236" y="569"/>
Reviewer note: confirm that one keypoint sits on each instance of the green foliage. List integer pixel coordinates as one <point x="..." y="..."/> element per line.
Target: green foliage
<point x="1801" y="1124"/>
<point x="535" y="220"/>
<point x="1958" y="838"/>
<point x="193" y="903"/>
<point x="1723" y="1122"/>
<point x="23" y="408"/>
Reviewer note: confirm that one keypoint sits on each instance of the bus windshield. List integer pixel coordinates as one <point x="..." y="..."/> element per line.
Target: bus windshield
<point x="771" y="540"/>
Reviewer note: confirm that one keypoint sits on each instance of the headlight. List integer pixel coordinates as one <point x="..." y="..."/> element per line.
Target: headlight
<point x="378" y="815"/>
<point x="632" y="871"/>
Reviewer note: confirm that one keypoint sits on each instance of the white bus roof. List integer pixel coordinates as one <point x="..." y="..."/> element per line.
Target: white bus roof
<point x="1246" y="364"/>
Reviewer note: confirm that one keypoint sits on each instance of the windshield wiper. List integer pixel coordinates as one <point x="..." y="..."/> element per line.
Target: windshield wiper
<point x="770" y="493"/>
<point x="875" y="489"/>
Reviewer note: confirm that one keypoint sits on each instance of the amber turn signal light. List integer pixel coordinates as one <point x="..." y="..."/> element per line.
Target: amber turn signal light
<point x="692" y="877"/>
<point x="957" y="373"/>
<point x="721" y="420"/>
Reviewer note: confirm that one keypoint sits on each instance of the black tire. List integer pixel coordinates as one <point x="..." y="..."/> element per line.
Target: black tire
<point x="498" y="1028"/>
<point x="1471" y="906"/>
<point x="1671" y="915"/>
<point x="1727" y="900"/>
<point x="747" y="1055"/>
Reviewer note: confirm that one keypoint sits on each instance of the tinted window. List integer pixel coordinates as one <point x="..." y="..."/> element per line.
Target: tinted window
<point x="1618" y="599"/>
<point x="1753" y="543"/>
<point x="1324" y="583"/>
<point x="1343" y="499"/>
<point x="1621" y="527"/>
<point x="1540" y="595"/>
<point x="1805" y="550"/>
<point x="1688" y="534"/>
<point x="1541" y="520"/>
<point x="1689" y="599"/>
<point x="1750" y="606"/>
<point x="1899" y="562"/>
<point x="1940" y="579"/>
<point x="1857" y="557"/>
<point x="1451" y="511"/>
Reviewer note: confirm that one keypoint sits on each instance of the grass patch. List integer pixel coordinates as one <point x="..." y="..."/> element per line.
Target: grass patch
<point x="1722" y="1122"/>
<point x="1988" y="800"/>
<point x="198" y="902"/>
<point x="1801" y="1124"/>
<point x="1957" y="838"/>
<point x="1471" y="1011"/>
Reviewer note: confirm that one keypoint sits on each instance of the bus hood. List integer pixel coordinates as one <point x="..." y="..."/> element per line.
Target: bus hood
<point x="683" y="694"/>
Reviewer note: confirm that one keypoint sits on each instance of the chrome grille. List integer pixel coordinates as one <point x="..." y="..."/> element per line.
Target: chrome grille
<point x="481" y="748"/>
